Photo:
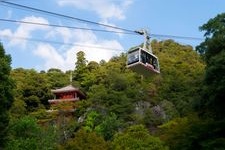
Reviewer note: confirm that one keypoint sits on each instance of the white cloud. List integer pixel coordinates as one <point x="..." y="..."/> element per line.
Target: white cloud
<point x="119" y="32"/>
<point x="64" y="33"/>
<point x="64" y="56"/>
<point x="65" y="60"/>
<point x="6" y="33"/>
<point x="9" y="14"/>
<point x="92" y="42"/>
<point x="104" y="9"/>
<point x="52" y="58"/>
<point x="93" y="53"/>
<point x="83" y="36"/>
<point x="25" y="30"/>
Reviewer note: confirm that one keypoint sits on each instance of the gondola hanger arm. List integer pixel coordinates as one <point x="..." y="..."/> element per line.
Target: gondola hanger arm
<point x="147" y="43"/>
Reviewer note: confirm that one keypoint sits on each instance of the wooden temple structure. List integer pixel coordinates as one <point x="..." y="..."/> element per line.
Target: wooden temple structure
<point x="65" y="98"/>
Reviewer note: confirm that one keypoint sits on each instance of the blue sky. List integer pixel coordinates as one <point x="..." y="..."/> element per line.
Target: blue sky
<point x="174" y="17"/>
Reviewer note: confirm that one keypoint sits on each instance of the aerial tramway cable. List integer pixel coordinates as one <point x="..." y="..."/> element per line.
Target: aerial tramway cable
<point x="118" y="29"/>
<point x="63" y="26"/>
<point x="63" y="16"/>
<point x="139" y="59"/>
<point x="100" y="30"/>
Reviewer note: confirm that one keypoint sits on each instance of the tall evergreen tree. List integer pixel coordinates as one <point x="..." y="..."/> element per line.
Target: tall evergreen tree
<point x="6" y="96"/>
<point x="80" y="66"/>
<point x="213" y="99"/>
<point x="207" y="131"/>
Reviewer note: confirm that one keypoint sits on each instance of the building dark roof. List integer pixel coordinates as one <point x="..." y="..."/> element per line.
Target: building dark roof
<point x="68" y="88"/>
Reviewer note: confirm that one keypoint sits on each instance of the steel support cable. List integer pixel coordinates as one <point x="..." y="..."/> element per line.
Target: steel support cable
<point x="64" y="16"/>
<point x="58" y="43"/>
<point x="99" y="30"/>
<point x="63" y="26"/>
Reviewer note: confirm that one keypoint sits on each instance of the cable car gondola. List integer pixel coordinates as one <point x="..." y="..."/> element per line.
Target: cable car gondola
<point x="141" y="60"/>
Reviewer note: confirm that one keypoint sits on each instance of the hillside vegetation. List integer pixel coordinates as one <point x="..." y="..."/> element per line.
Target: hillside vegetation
<point x="182" y="108"/>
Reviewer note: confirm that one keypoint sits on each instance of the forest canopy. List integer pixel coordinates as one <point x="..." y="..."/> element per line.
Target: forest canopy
<point x="181" y="108"/>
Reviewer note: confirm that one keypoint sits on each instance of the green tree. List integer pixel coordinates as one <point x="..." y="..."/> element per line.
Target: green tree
<point x="108" y="127"/>
<point x="92" y="65"/>
<point x="6" y="94"/>
<point x="182" y="71"/>
<point x="169" y="109"/>
<point x="26" y="134"/>
<point x="116" y="89"/>
<point x="213" y="99"/>
<point x="56" y="78"/>
<point x="80" y="66"/>
<point x="137" y="137"/>
<point x="192" y="132"/>
<point x="176" y="133"/>
<point x="91" y="121"/>
<point x="18" y="109"/>
<point x="90" y="75"/>
<point x="85" y="141"/>
<point x="32" y="87"/>
<point x="151" y="118"/>
<point x="205" y="131"/>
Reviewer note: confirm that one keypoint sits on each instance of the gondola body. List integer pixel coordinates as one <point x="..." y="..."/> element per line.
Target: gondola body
<point x="143" y="62"/>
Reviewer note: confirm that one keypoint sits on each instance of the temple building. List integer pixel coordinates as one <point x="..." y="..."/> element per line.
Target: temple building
<point x="65" y="98"/>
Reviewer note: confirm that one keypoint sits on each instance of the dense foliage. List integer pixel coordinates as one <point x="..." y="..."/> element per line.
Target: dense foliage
<point x="26" y="134"/>
<point x="206" y="130"/>
<point x="116" y="97"/>
<point x="85" y="141"/>
<point x="182" y="108"/>
<point x="6" y="94"/>
<point x="137" y="137"/>
<point x="213" y="99"/>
